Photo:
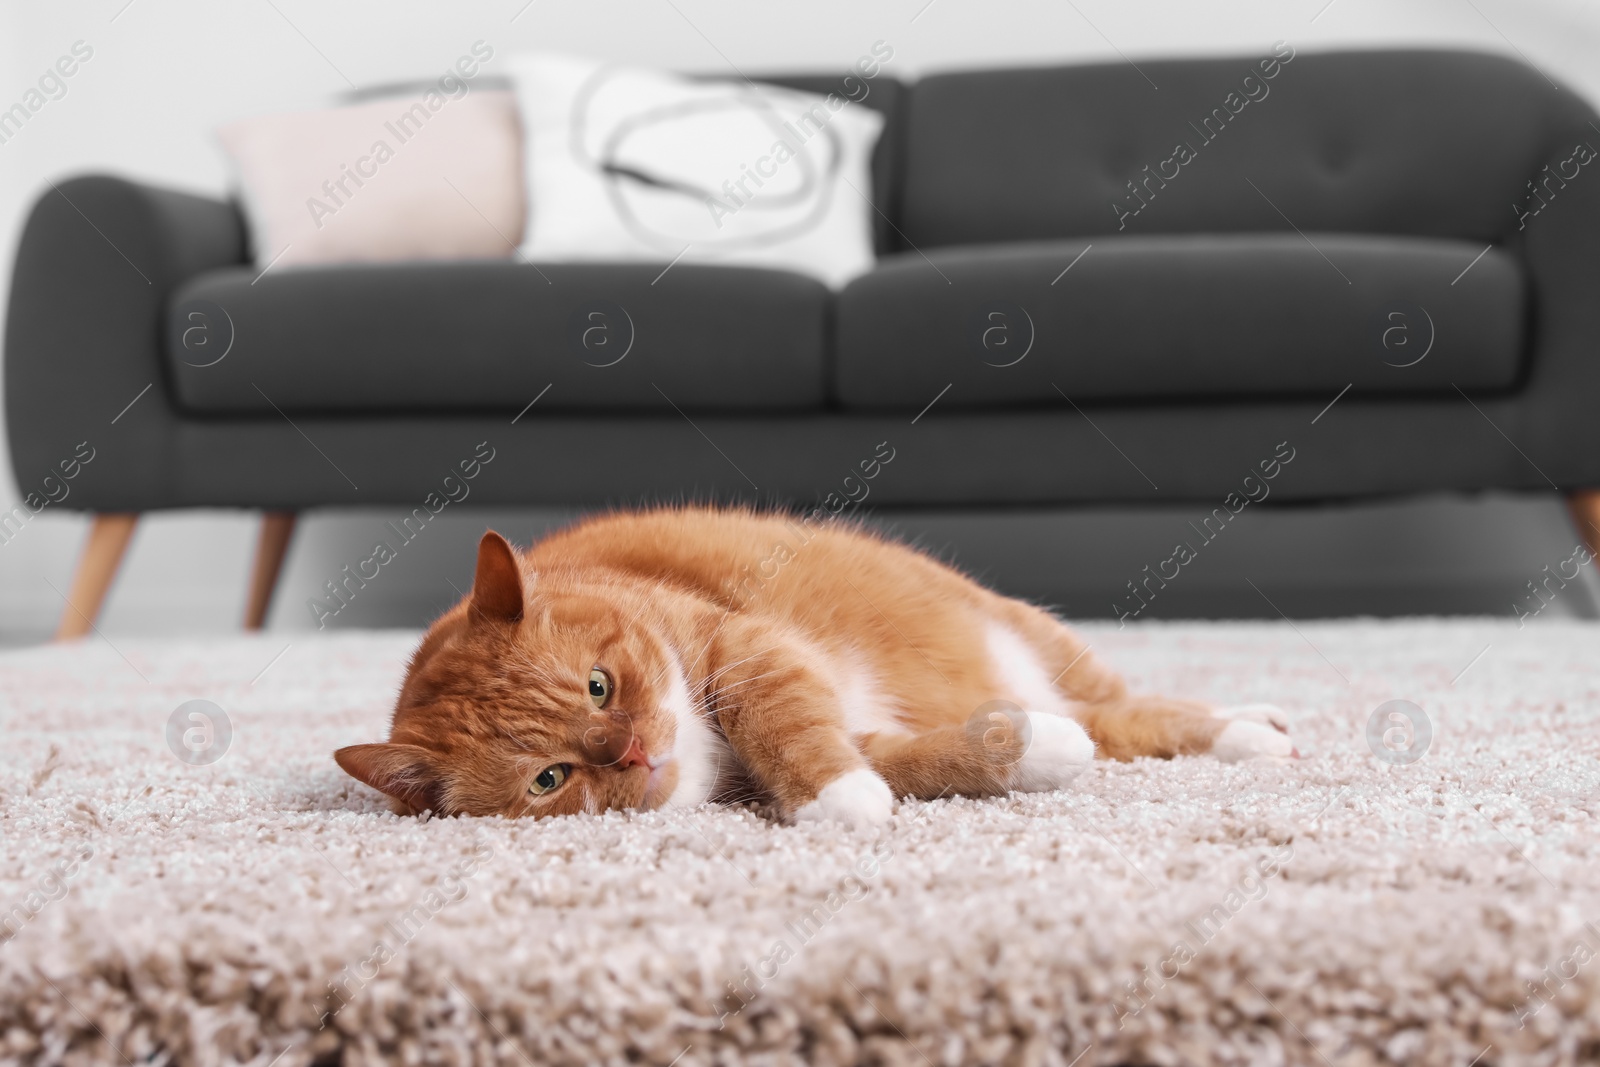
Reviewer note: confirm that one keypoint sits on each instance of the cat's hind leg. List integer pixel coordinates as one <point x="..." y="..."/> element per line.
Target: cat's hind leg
<point x="1123" y="726"/>
<point x="998" y="750"/>
<point x="1017" y="733"/>
<point x="1254" y="731"/>
<point x="1158" y="726"/>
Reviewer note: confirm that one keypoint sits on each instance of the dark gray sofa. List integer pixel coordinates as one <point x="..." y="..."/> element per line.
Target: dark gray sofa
<point x="1067" y="308"/>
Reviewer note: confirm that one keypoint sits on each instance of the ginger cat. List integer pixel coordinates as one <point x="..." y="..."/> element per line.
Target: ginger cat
<point x="665" y="658"/>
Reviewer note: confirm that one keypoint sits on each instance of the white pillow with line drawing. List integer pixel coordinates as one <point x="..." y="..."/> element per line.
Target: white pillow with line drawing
<point x="628" y="164"/>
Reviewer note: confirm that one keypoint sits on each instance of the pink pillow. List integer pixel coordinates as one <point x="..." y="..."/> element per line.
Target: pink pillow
<point x="427" y="176"/>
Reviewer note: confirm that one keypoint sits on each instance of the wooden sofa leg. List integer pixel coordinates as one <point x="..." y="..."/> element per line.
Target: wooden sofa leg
<point x="1584" y="507"/>
<point x="277" y="528"/>
<point x="109" y="535"/>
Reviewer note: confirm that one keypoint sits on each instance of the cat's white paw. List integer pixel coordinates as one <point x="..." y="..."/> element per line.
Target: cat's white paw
<point x="859" y="799"/>
<point x="1058" y="751"/>
<point x="1244" y="739"/>
<point x="1265" y="714"/>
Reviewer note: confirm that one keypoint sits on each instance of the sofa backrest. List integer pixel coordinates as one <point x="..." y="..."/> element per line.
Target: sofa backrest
<point x="1432" y="143"/>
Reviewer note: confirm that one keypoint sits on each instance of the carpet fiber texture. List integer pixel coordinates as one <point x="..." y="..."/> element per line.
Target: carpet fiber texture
<point x="1348" y="909"/>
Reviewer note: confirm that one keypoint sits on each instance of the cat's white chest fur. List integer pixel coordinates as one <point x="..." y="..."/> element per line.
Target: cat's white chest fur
<point x="698" y="748"/>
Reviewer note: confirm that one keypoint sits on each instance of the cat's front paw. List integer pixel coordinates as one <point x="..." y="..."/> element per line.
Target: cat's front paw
<point x="859" y="799"/>
<point x="1254" y="731"/>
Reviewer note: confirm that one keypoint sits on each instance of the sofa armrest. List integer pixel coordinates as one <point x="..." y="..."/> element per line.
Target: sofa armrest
<point x="98" y="260"/>
<point x="1558" y="421"/>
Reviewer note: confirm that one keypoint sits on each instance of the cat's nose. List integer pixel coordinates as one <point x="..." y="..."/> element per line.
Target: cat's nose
<point x="634" y="757"/>
<point x="610" y="740"/>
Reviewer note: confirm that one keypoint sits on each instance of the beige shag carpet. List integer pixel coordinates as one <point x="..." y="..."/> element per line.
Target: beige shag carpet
<point x="264" y="909"/>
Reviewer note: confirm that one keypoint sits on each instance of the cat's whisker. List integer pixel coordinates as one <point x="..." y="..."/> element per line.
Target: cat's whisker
<point x="726" y="614"/>
<point x="738" y="663"/>
<point x="729" y="688"/>
<point x="706" y="705"/>
<point x="720" y="671"/>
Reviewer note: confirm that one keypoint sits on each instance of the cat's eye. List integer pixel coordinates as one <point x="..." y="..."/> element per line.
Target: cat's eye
<point x="599" y="687"/>
<point x="549" y="778"/>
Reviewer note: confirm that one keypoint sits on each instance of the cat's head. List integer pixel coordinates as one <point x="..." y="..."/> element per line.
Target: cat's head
<point x="563" y="701"/>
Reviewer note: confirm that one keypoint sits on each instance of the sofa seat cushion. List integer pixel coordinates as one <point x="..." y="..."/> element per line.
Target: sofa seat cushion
<point x="492" y="336"/>
<point x="1177" y="316"/>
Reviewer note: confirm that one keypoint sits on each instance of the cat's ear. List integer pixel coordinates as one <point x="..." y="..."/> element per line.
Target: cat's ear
<point x="405" y="772"/>
<point x="497" y="585"/>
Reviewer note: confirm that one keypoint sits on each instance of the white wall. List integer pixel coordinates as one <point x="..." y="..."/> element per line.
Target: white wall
<point x="166" y="72"/>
